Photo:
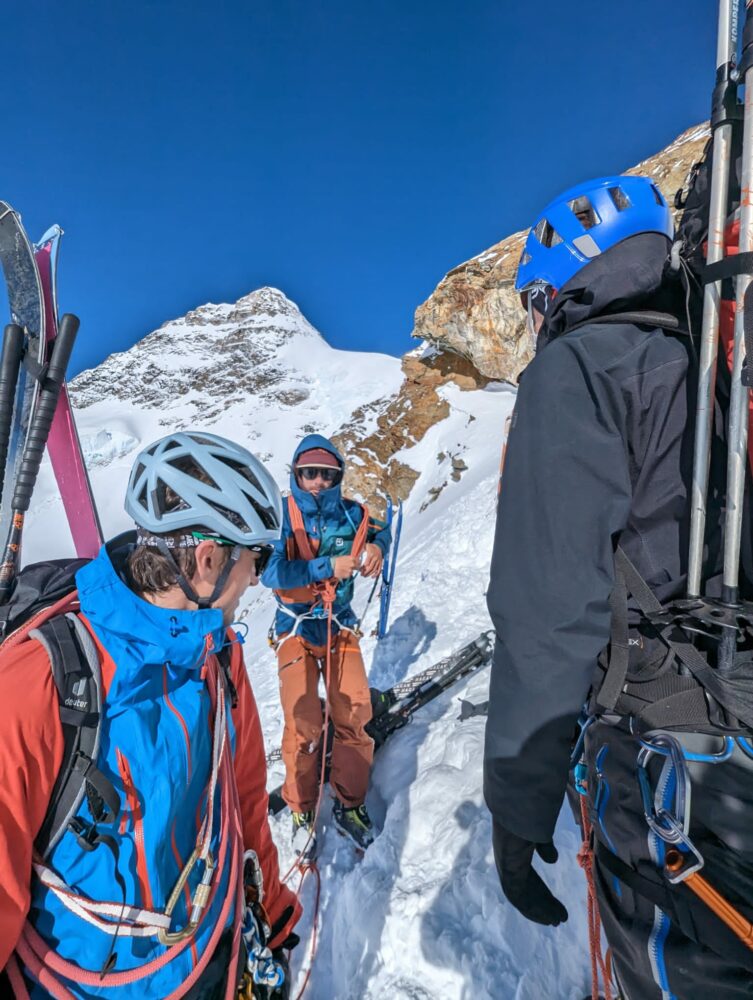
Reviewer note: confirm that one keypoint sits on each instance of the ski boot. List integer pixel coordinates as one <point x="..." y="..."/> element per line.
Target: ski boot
<point x="304" y="835"/>
<point x="354" y="823"/>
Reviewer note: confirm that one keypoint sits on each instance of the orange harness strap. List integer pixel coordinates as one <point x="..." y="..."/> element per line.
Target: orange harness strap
<point x="301" y="546"/>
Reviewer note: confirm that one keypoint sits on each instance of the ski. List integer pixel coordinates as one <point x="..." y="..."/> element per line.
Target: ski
<point x="64" y="446"/>
<point x="27" y="311"/>
<point x="388" y="576"/>
<point x="395" y="707"/>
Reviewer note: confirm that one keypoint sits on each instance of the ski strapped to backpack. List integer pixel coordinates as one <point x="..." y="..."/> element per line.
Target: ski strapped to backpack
<point x="27" y="312"/>
<point x="63" y="445"/>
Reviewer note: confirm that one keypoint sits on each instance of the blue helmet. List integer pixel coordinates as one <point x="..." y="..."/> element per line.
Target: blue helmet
<point x="587" y="220"/>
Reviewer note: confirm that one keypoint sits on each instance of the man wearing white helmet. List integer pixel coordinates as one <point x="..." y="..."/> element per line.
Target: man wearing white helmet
<point x="147" y="899"/>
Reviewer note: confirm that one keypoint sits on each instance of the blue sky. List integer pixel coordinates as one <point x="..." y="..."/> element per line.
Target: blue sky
<point x="349" y="153"/>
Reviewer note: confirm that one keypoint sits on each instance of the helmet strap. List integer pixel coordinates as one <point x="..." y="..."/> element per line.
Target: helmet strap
<point x="203" y="603"/>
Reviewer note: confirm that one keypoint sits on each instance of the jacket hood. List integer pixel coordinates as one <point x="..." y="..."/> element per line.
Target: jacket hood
<point x="630" y="276"/>
<point x="328" y="500"/>
<point x="151" y="634"/>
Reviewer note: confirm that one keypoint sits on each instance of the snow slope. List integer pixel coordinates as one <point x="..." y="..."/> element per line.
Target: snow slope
<point x="421" y="916"/>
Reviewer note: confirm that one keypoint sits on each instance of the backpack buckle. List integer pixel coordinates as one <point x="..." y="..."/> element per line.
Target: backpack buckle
<point x="86" y="833"/>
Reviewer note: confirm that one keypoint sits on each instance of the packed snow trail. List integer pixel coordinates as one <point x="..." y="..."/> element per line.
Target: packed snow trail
<point x="421" y="916"/>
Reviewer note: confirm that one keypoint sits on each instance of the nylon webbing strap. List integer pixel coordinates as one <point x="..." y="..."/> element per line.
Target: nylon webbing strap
<point x="728" y="267"/>
<point x="619" y="649"/>
<point x="658" y="893"/>
<point x="746" y="376"/>
<point x="75" y="670"/>
<point x="302" y="541"/>
<point x="684" y="650"/>
<point x="647" y="317"/>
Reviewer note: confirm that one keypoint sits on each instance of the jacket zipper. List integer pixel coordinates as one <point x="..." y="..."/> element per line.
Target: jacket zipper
<point x="134" y="805"/>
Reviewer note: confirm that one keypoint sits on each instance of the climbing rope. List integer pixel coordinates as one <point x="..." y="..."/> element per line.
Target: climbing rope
<point x="327" y="593"/>
<point x="599" y="965"/>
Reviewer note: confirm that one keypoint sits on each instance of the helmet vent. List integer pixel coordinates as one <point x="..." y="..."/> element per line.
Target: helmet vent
<point x="267" y="515"/>
<point x="620" y="199"/>
<point x="244" y="471"/>
<point x="229" y="515"/>
<point x="584" y="212"/>
<point x="546" y="234"/>
<point x="658" y="195"/>
<point x="586" y="245"/>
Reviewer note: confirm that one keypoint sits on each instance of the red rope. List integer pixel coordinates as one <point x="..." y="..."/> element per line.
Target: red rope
<point x="586" y="860"/>
<point x="310" y="866"/>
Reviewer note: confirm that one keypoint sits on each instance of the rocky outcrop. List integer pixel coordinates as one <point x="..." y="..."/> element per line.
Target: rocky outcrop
<point x="374" y="467"/>
<point x="475" y="311"/>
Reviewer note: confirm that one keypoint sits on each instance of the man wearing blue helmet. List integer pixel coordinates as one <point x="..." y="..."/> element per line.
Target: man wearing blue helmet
<point x="599" y="456"/>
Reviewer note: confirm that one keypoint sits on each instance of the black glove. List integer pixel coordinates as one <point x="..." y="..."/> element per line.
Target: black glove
<point x="520" y="883"/>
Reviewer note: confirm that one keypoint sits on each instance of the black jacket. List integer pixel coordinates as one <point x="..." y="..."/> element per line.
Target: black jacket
<point x="599" y="452"/>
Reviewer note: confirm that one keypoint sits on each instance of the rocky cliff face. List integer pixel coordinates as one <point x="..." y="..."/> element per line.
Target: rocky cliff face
<point x="475" y="312"/>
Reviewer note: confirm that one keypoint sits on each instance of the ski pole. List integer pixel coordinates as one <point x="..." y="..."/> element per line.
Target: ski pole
<point x="723" y="108"/>
<point x="368" y="604"/>
<point x="39" y="429"/>
<point x="10" y="363"/>
<point x="738" y="408"/>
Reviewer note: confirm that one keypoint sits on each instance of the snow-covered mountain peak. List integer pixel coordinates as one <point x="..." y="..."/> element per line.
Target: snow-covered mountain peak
<point x="271" y="303"/>
<point x="254" y="370"/>
<point x="213" y="352"/>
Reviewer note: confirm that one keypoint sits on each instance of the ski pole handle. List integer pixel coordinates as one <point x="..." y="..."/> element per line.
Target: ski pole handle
<point x="39" y="431"/>
<point x="10" y="363"/>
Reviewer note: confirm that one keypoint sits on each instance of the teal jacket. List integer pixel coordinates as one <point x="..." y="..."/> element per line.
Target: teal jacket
<point x="334" y="521"/>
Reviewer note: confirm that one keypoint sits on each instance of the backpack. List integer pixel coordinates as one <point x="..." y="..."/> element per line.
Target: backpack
<point x="42" y="607"/>
<point x="651" y="670"/>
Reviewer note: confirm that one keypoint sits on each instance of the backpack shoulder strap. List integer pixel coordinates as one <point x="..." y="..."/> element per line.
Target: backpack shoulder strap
<point x="644" y="317"/>
<point x="302" y="540"/>
<point x="75" y="666"/>
<point x="359" y="542"/>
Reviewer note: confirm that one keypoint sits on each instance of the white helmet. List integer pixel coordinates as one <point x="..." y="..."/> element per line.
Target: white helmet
<point x="241" y="503"/>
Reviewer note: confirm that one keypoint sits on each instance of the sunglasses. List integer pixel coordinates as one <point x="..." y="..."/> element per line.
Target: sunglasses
<point x="327" y="474"/>
<point x="263" y="553"/>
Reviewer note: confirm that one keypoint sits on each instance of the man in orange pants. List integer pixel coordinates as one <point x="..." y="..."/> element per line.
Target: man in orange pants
<point x="326" y="539"/>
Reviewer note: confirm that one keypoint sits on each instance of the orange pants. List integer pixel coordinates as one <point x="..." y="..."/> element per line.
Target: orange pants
<point x="300" y="665"/>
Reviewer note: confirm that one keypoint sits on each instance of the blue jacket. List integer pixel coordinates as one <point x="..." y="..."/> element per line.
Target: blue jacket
<point x="333" y="520"/>
<point x="156" y="750"/>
